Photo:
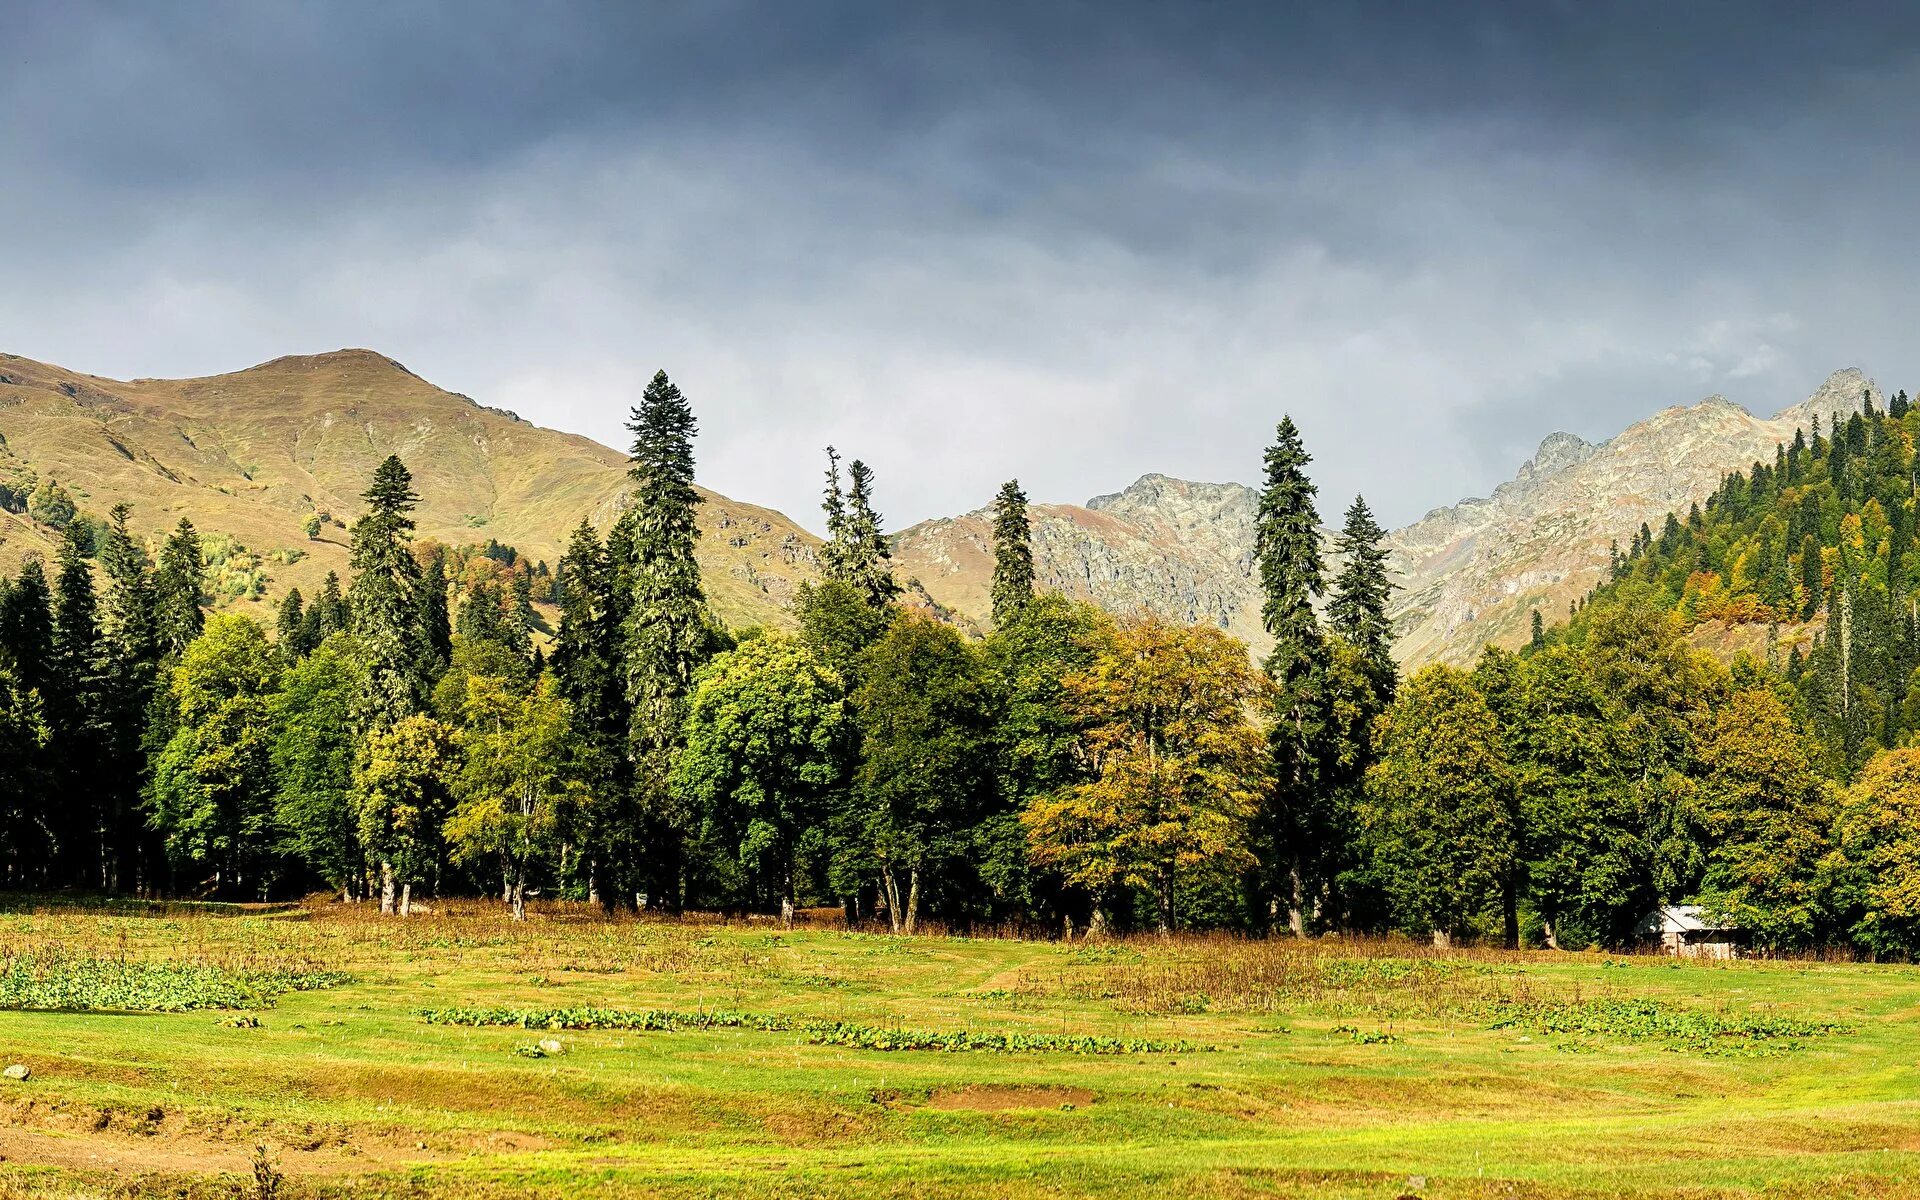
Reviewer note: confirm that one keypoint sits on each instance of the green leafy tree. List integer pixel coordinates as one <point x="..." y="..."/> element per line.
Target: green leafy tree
<point x="925" y="779"/>
<point x="515" y="796"/>
<point x="763" y="750"/>
<point x="314" y="744"/>
<point x="403" y="785"/>
<point x="1767" y="814"/>
<point x="1177" y="768"/>
<point x="1440" y="813"/>
<point x="211" y="797"/>
<point x="1012" y="553"/>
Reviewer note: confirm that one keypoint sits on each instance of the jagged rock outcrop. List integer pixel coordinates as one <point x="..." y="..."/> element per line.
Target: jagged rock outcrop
<point x="1469" y="574"/>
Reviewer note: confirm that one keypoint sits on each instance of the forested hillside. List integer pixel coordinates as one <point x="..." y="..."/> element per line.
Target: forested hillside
<point x="1816" y="552"/>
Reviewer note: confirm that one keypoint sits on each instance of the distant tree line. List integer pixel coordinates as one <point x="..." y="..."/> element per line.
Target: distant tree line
<point x="419" y="730"/>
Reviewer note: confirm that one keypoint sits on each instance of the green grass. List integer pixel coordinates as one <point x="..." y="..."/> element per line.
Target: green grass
<point x="697" y="1059"/>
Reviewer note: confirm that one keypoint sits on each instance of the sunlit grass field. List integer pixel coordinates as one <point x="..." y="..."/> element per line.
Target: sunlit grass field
<point x="578" y="1056"/>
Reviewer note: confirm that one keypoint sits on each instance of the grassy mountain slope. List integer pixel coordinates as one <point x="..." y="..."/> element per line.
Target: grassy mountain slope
<point x="254" y="453"/>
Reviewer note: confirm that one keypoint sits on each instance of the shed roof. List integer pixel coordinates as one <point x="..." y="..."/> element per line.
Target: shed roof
<point x="1684" y="918"/>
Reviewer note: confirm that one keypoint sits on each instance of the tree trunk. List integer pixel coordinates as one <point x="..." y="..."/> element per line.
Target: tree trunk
<point x="1164" y="895"/>
<point x="786" y="912"/>
<point x="913" y="901"/>
<point x="593" y="887"/>
<point x="386" y="887"/>
<point x="1296" y="903"/>
<point x="1442" y="940"/>
<point x="851" y="906"/>
<point x="892" y="888"/>
<point x="1510" y="915"/>
<point x="1097" y="923"/>
<point x="406" y="899"/>
<point x="1553" y="938"/>
<point x="517" y="894"/>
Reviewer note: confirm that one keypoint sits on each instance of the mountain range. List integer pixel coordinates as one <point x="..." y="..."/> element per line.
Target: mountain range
<point x="256" y="453"/>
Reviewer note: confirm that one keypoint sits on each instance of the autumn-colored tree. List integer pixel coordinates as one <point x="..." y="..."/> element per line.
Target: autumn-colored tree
<point x="1177" y="764"/>
<point x="1879" y="830"/>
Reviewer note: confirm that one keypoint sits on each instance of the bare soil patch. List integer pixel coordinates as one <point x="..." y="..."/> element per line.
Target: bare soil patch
<point x="999" y="1098"/>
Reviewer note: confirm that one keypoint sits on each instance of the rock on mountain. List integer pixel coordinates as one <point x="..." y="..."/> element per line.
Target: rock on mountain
<point x="253" y="453"/>
<point x="1469" y="574"/>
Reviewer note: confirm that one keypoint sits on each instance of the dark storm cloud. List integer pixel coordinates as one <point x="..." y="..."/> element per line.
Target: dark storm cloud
<point x="1072" y="241"/>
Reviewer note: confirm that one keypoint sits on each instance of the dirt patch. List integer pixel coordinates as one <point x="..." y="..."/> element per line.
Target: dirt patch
<point x="992" y="1098"/>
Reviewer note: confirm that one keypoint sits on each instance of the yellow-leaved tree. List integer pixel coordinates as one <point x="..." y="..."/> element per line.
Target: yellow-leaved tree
<point x="1177" y="763"/>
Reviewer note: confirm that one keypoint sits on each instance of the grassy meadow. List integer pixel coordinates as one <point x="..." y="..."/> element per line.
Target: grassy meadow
<point x="181" y="1050"/>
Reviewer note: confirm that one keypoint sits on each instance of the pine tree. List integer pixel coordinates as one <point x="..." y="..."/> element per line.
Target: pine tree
<point x="521" y="620"/>
<point x="384" y="600"/>
<point x="856" y="553"/>
<point x="1538" y="638"/>
<point x="290" y="628"/>
<point x="129" y="667"/>
<point x="433" y="610"/>
<point x="26" y="628"/>
<point x="331" y="608"/>
<point x="1287" y="547"/>
<point x="1012" y="554"/>
<point x="73" y="711"/>
<point x="667" y="632"/>
<point x="586" y="669"/>
<point x="1358" y="611"/>
<point x="179" y="591"/>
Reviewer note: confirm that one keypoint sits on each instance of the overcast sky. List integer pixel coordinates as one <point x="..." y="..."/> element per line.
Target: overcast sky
<point x="1068" y="242"/>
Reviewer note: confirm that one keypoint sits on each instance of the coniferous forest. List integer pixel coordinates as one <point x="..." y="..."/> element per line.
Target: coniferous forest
<point x="419" y="729"/>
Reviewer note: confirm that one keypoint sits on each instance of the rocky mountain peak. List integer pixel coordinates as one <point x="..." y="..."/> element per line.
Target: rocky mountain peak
<point x="1840" y="396"/>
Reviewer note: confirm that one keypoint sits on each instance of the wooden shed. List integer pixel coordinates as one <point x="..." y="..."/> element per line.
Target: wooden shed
<point x="1687" y="931"/>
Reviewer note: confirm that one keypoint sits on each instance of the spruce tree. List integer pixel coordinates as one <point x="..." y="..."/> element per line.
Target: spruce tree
<point x="869" y="567"/>
<point x="331" y="609"/>
<point x="290" y="628"/>
<point x="179" y="591"/>
<point x="521" y="618"/>
<point x="1012" y="554"/>
<point x="667" y="633"/>
<point x="26" y="627"/>
<point x="1287" y="548"/>
<point x="128" y="674"/>
<point x="1537" y="638"/>
<point x="1358" y="611"/>
<point x="384" y="601"/>
<point x="433" y="609"/>
<point x="586" y="669"/>
<point x="73" y="714"/>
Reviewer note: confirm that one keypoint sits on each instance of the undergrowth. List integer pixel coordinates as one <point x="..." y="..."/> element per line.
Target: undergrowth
<point x="818" y="1033"/>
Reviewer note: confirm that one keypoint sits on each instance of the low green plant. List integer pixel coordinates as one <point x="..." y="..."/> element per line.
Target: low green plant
<point x="818" y="1033"/>
<point x="53" y="979"/>
<point x="1686" y="1030"/>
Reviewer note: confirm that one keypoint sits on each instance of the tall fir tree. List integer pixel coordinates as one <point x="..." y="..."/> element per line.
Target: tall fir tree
<point x="434" y="618"/>
<point x="668" y="632"/>
<point x="26" y="627"/>
<point x="128" y="674"/>
<point x="1287" y="548"/>
<point x="179" y="591"/>
<point x="586" y="668"/>
<point x="73" y="712"/>
<point x="1358" y="611"/>
<point x="384" y="601"/>
<point x="290" y="628"/>
<point x="1012" y="554"/>
<point x="331" y="606"/>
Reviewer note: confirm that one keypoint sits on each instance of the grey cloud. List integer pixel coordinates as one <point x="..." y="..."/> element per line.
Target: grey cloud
<point x="1070" y="242"/>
